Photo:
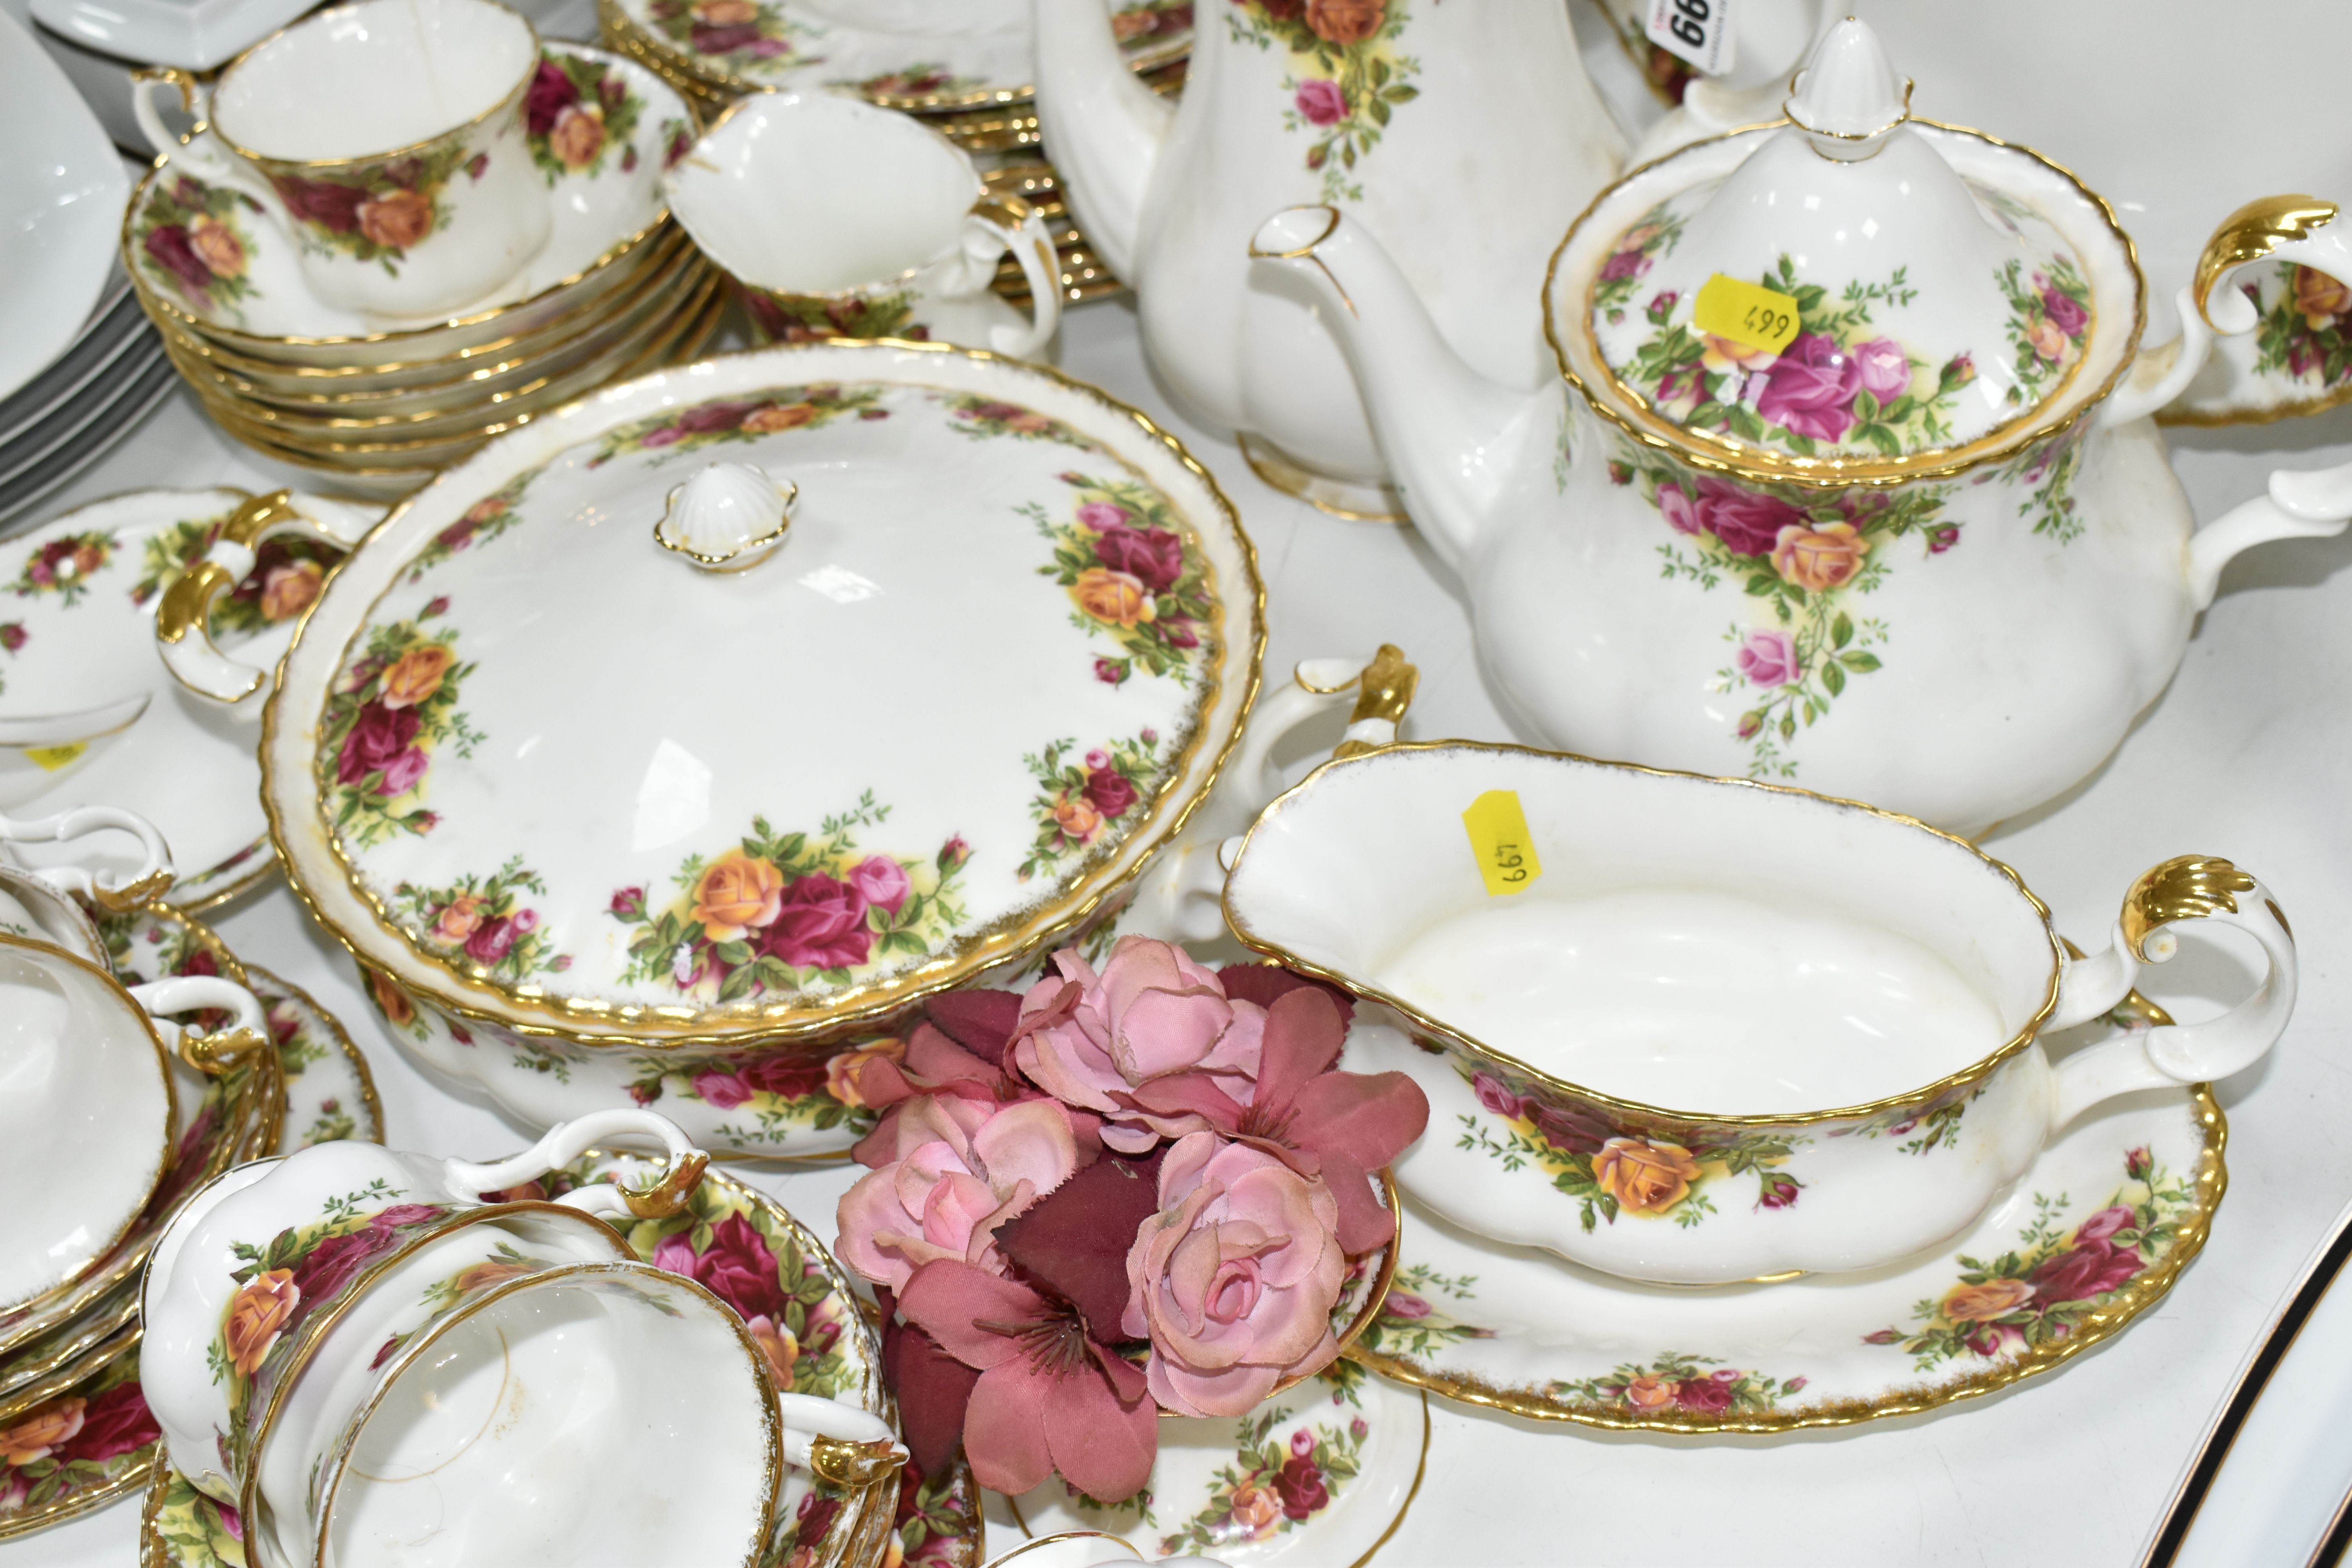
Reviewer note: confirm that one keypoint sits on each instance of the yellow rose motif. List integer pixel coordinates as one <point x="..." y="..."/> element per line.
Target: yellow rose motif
<point x="1113" y="598"/>
<point x="397" y="1010"/>
<point x="415" y="675"/>
<point x="1983" y="1303"/>
<point x="396" y="219"/>
<point x="578" y="135"/>
<point x="35" y="1435"/>
<point x="215" y="245"/>
<point x="1256" y="1509"/>
<point x="1819" y="558"/>
<point x="1650" y="1392"/>
<point x="255" y="1316"/>
<point x="779" y="416"/>
<point x="2047" y="340"/>
<point x="841" y="1070"/>
<point x="287" y="591"/>
<point x="776" y="1343"/>
<point x="482" y="1276"/>
<point x="460" y="919"/>
<point x="1078" y="819"/>
<point x="1721" y="355"/>
<point x="737" y="893"/>
<point x="2320" y="298"/>
<point x="726" y="12"/>
<point x="1643" y="1177"/>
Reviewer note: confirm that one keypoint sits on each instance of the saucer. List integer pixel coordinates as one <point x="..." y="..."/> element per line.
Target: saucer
<point x="66" y="1345"/>
<point x="901" y="59"/>
<point x="1321" y="1474"/>
<point x="92" y="1443"/>
<point x="238" y="281"/>
<point x="2020" y="1293"/>
<point x="78" y="600"/>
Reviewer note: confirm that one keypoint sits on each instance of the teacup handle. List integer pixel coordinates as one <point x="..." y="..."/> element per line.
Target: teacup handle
<point x="108" y="891"/>
<point x="202" y="153"/>
<point x="999" y="224"/>
<point x="1182" y="899"/>
<point x="567" y="1140"/>
<point x="2191" y="887"/>
<point x="846" y="1446"/>
<point x="181" y="633"/>
<point x="249" y="1029"/>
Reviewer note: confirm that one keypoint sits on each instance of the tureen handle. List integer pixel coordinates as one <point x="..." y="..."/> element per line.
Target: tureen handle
<point x="999" y="224"/>
<point x="2190" y="886"/>
<point x="2295" y="228"/>
<point x="108" y="891"/>
<point x="189" y="652"/>
<point x="567" y="1140"/>
<point x="1182" y="897"/>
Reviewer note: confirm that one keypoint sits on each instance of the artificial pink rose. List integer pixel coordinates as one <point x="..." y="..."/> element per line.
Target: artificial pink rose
<point x="1885" y="369"/>
<point x="962" y="1167"/>
<point x="1321" y="102"/>
<point x="377" y="737"/>
<point x="1234" y="1279"/>
<point x="1153" y="556"/>
<point x="1809" y="389"/>
<point x="821" y="924"/>
<point x="738" y="1266"/>
<point x="1747" y="521"/>
<point x="882" y="881"/>
<point x="1768" y="659"/>
<point x="1091" y="1040"/>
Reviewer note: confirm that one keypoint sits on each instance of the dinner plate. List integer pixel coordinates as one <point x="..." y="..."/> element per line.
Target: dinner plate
<point x="62" y="188"/>
<point x="123" y="411"/>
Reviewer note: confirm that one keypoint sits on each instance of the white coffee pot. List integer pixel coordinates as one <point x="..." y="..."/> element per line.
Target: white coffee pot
<point x="1913" y="539"/>
<point x="1465" y="132"/>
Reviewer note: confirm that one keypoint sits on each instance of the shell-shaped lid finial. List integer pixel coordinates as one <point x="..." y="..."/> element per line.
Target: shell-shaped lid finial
<point x="1847" y="96"/>
<point x="1853" y="292"/>
<point x="729" y="517"/>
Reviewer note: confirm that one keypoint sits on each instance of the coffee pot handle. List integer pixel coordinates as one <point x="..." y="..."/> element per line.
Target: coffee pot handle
<point x="108" y="891"/>
<point x="567" y="1140"/>
<point x="999" y="224"/>
<point x="182" y="633"/>
<point x="208" y="1052"/>
<point x="1182" y="899"/>
<point x="2190" y="886"/>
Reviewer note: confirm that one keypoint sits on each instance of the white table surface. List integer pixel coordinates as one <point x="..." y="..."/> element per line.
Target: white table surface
<point x="2245" y="755"/>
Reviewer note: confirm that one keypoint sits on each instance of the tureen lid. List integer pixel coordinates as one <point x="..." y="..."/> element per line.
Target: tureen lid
<point x="766" y="695"/>
<point x="1850" y="288"/>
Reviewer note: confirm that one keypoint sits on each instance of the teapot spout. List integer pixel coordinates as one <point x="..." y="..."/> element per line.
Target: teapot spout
<point x="1103" y="129"/>
<point x="1455" y="441"/>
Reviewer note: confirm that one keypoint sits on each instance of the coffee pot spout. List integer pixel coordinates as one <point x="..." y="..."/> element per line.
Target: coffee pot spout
<point x="1102" y="127"/>
<point x="1456" y="442"/>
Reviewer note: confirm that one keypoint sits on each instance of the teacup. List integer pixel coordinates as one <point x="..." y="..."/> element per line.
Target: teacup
<point x="343" y="1340"/>
<point x="1845" y="1007"/>
<point x="836" y="219"/>
<point x="89" y="1105"/>
<point x="386" y="139"/>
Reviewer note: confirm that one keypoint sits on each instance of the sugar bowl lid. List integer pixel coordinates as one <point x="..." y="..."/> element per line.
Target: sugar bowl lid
<point x="761" y="697"/>
<point x="1851" y="293"/>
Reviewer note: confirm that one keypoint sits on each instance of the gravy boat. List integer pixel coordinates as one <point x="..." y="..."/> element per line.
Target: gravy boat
<point x="1844" y="1007"/>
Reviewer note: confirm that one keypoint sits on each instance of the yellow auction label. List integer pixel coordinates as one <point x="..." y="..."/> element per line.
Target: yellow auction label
<point x="1498" y="837"/>
<point x="55" y="757"/>
<point x="1747" y="313"/>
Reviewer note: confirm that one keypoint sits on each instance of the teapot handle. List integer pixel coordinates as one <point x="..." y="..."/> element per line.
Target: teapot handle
<point x="567" y="1140"/>
<point x="1182" y="898"/>
<point x="107" y="890"/>
<point x="2189" y="887"/>
<point x="189" y="652"/>
<point x="994" y="225"/>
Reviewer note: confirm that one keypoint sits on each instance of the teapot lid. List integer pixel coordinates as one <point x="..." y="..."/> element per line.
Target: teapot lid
<point x="1852" y="292"/>
<point x="764" y="698"/>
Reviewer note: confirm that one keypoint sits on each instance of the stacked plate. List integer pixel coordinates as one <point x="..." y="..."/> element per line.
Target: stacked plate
<point x="79" y="1432"/>
<point x="376" y="409"/>
<point x="87" y="398"/>
<point x="969" y="76"/>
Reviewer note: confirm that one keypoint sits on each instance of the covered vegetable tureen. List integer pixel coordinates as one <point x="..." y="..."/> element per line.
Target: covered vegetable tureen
<point x="679" y="745"/>
<point x="1848" y="477"/>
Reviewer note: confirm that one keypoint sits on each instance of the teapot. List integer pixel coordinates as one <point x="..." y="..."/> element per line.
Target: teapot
<point x="1849" y="479"/>
<point x="1404" y="113"/>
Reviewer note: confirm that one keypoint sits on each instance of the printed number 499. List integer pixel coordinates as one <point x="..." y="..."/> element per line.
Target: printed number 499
<point x="1510" y="865"/>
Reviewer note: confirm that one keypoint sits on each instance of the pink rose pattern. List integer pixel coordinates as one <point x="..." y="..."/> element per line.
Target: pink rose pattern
<point x="482" y="924"/>
<point x="1349" y="73"/>
<point x="1091" y="802"/>
<point x="1678" y="1389"/>
<point x="2037" y="1293"/>
<point x="1272" y="1484"/>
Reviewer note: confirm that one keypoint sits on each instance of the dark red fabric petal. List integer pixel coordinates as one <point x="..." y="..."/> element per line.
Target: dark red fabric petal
<point x="932" y="1387"/>
<point x="1075" y="1240"/>
<point x="982" y="1022"/>
<point x="1303" y="1035"/>
<point x="1264" y="983"/>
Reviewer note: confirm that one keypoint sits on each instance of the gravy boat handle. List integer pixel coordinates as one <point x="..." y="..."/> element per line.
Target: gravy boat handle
<point x="1182" y="897"/>
<point x="2190" y="886"/>
<point x="189" y="652"/>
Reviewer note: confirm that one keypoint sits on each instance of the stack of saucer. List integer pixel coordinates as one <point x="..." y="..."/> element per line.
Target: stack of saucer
<point x="353" y="405"/>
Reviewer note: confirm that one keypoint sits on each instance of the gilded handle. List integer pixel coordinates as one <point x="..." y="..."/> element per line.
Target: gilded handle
<point x="2290" y="227"/>
<point x="2187" y="888"/>
<point x="567" y="1140"/>
<point x="182" y="632"/>
<point x="111" y="891"/>
<point x="217" y="1052"/>
<point x="1012" y="225"/>
<point x="1383" y="692"/>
